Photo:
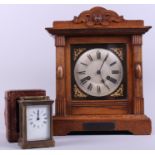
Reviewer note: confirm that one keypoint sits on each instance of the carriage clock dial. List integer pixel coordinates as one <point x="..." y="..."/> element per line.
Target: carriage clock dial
<point x="98" y="72"/>
<point x="38" y="122"/>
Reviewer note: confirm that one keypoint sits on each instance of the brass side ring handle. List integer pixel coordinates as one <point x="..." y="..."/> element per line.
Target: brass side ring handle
<point x="138" y="71"/>
<point x="59" y="72"/>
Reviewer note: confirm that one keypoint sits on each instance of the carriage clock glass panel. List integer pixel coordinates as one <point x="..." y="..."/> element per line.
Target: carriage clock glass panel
<point x="38" y="122"/>
<point x="99" y="71"/>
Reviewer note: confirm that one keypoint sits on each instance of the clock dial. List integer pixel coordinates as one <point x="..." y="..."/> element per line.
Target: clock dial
<point x="98" y="72"/>
<point x="38" y="122"/>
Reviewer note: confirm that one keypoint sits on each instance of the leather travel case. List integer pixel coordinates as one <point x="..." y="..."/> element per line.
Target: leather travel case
<point x="12" y="111"/>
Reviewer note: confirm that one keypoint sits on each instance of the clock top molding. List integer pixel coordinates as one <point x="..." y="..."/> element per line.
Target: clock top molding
<point x="101" y="21"/>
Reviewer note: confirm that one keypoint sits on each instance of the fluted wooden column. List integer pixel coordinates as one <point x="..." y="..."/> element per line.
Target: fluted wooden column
<point x="60" y="75"/>
<point x="138" y="107"/>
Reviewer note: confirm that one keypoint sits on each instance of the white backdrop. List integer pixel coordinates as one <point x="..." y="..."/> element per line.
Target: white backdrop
<point x="27" y="61"/>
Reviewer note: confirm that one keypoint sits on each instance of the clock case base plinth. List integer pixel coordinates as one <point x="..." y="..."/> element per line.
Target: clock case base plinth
<point x="135" y="124"/>
<point x="36" y="144"/>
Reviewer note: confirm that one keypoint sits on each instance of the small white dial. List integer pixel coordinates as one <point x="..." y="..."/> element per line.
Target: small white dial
<point x="98" y="72"/>
<point x="38" y="122"/>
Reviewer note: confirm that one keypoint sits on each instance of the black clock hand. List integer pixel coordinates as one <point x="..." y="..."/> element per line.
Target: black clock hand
<point x="38" y="115"/>
<point x="99" y="71"/>
<point x="104" y="61"/>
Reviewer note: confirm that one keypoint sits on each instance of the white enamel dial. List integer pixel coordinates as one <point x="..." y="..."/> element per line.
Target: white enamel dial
<point x="38" y="122"/>
<point x="98" y="72"/>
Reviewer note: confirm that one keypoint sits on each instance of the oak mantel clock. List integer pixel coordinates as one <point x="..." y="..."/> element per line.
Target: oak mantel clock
<point x="99" y="84"/>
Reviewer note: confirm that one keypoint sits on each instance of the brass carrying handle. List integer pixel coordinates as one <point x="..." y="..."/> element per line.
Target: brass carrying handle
<point x="138" y="71"/>
<point x="59" y="72"/>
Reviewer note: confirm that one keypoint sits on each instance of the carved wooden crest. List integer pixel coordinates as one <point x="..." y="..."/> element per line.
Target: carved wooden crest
<point x="98" y="16"/>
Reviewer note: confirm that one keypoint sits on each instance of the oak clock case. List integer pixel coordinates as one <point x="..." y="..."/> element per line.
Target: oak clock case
<point x="99" y="83"/>
<point x="35" y="123"/>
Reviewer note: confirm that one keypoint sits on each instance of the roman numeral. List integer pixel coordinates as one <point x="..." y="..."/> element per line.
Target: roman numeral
<point x="111" y="79"/>
<point x="113" y="63"/>
<point x="115" y="71"/>
<point x="44" y="122"/>
<point x="90" y="86"/>
<point x="98" y="55"/>
<point x="89" y="57"/>
<point x="98" y="89"/>
<point x="84" y="64"/>
<point x="82" y="72"/>
<point x="105" y="84"/>
<point x="85" y="80"/>
<point x="31" y="123"/>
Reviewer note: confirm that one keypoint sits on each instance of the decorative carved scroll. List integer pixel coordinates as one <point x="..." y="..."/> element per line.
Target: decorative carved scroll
<point x="118" y="52"/>
<point x="78" y="93"/>
<point x="77" y="52"/>
<point x="98" y="16"/>
<point x="118" y="92"/>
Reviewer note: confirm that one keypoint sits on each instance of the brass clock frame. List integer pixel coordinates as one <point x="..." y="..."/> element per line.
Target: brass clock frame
<point x="29" y="101"/>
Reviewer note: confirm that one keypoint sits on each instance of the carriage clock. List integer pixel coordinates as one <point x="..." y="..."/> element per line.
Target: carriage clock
<point x="99" y="83"/>
<point x="35" y="122"/>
